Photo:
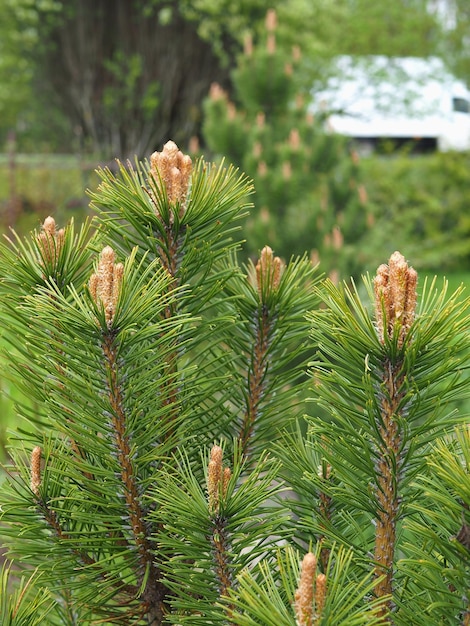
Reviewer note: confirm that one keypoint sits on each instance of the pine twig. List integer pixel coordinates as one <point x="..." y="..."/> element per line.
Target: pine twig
<point x="51" y="518"/>
<point x="268" y="275"/>
<point x="105" y="286"/>
<point x="171" y="174"/>
<point x="217" y="483"/>
<point x="395" y="305"/>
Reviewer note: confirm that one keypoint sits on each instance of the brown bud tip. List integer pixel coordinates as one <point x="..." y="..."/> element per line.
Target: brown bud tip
<point x="217" y="454"/>
<point x="105" y="284"/>
<point x="305" y="592"/>
<point x="118" y="273"/>
<point x="106" y="273"/>
<point x="271" y="20"/>
<point x="49" y="226"/>
<point x="170" y="149"/>
<point x="248" y="45"/>
<point x="294" y="139"/>
<point x="50" y="242"/>
<point x="93" y="286"/>
<point x="214" y="478"/>
<point x="395" y="298"/>
<point x="320" y="595"/>
<point x="171" y="170"/>
<point x="216" y="92"/>
<point x="296" y="53"/>
<point x="226" y="479"/>
<point x="268" y="272"/>
<point x="337" y="238"/>
<point x="108" y="255"/>
<point x="36" y="470"/>
<point x="309" y="565"/>
<point x="286" y="170"/>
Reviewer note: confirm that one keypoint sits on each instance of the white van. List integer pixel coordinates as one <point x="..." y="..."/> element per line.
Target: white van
<point x="372" y="99"/>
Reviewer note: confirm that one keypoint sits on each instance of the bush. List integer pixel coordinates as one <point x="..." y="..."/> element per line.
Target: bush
<point x="425" y="200"/>
<point x="150" y="487"/>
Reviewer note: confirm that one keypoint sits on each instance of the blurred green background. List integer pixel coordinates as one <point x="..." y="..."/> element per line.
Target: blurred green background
<point x="85" y="82"/>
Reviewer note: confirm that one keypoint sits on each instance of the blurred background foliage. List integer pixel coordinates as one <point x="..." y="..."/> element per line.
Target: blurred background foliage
<point x="83" y="82"/>
<point x="118" y="78"/>
<point x="308" y="193"/>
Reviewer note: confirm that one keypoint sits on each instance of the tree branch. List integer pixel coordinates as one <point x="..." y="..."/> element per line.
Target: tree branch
<point x="154" y="592"/>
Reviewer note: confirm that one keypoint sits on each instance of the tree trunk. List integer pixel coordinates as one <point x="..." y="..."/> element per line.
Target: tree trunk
<point x="129" y="80"/>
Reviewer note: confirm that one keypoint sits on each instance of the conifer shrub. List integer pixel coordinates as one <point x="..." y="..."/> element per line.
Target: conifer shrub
<point x="171" y="472"/>
<point x="309" y="190"/>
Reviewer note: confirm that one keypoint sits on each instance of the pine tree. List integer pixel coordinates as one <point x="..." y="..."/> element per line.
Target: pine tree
<point x="308" y="190"/>
<point x="387" y="383"/>
<point x="165" y="473"/>
<point x="144" y="345"/>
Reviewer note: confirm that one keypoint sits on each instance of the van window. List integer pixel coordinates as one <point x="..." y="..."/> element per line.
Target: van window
<point x="461" y="105"/>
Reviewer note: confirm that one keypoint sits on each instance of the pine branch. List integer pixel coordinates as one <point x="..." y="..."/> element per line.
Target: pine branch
<point x="437" y="565"/>
<point x="117" y="299"/>
<point x="395" y="300"/>
<point x="256" y="376"/>
<point x="187" y="223"/>
<point x="52" y="520"/>
<point x="52" y="256"/>
<point x="212" y="533"/>
<point x="389" y="465"/>
<point x="295" y="595"/>
<point x="269" y="347"/>
<point x="218" y="479"/>
<point x="386" y="396"/>
<point x="149" y="576"/>
<point x="268" y="276"/>
<point x="105" y="287"/>
<point x="325" y="512"/>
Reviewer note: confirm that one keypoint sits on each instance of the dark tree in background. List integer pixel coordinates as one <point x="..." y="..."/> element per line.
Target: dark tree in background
<point x="127" y="77"/>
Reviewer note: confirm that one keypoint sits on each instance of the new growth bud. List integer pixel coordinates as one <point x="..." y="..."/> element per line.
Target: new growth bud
<point x="36" y="470"/>
<point x="271" y="24"/>
<point x="217" y="93"/>
<point x="395" y="298"/>
<point x="320" y="596"/>
<point x="50" y="242"/>
<point x="304" y="593"/>
<point x="217" y="479"/>
<point x="268" y="272"/>
<point x="172" y="170"/>
<point x="311" y="593"/>
<point x="105" y="284"/>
